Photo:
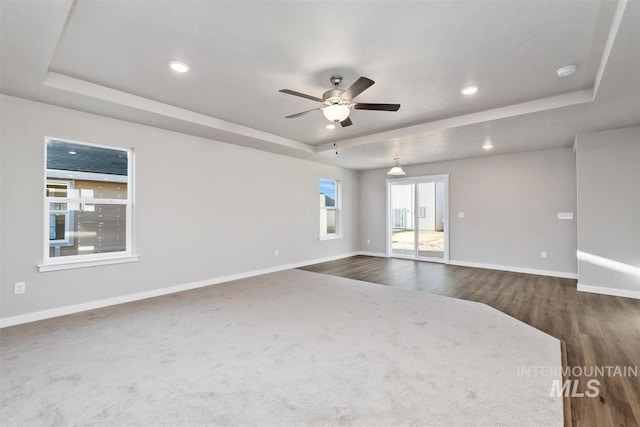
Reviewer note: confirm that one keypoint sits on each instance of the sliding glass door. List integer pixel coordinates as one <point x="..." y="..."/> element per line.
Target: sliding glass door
<point x="417" y="213"/>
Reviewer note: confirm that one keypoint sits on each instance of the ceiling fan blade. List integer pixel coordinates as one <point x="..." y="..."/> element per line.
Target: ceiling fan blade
<point x="346" y="122"/>
<point x="378" y="107"/>
<point x="302" y="95"/>
<point x="357" y="88"/>
<point x="293" y="116"/>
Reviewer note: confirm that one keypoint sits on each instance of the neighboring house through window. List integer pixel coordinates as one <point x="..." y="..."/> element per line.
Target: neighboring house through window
<point x="88" y="203"/>
<point x="330" y="212"/>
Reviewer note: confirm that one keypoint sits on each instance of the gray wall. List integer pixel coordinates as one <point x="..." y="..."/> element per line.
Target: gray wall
<point x="510" y="204"/>
<point x="204" y="209"/>
<point x="608" y="170"/>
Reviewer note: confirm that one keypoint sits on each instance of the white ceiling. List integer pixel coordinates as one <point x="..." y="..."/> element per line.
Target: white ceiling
<point x="111" y="58"/>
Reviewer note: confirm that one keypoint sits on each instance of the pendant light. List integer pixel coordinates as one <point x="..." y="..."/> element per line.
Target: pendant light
<point x="396" y="170"/>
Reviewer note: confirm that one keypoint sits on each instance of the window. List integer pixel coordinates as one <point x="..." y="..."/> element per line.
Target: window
<point x="88" y="205"/>
<point x="330" y="209"/>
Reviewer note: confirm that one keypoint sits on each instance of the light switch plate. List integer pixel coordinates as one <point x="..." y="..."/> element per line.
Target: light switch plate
<point x="565" y="215"/>
<point x="460" y="214"/>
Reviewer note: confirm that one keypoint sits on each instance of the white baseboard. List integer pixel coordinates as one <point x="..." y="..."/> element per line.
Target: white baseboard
<point x="561" y="274"/>
<point x="92" y="305"/>
<point x="376" y="254"/>
<point x="608" y="291"/>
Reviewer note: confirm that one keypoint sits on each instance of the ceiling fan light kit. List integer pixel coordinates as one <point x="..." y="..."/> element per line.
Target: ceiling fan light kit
<point x="397" y="169"/>
<point x="336" y="104"/>
<point x="336" y="112"/>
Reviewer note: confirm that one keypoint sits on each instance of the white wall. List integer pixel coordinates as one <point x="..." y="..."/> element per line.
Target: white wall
<point x="510" y="204"/>
<point x="203" y="209"/>
<point x="608" y="168"/>
<point x="206" y="209"/>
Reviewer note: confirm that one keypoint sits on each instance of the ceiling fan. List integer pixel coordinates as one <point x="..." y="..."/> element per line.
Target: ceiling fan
<point x="337" y="103"/>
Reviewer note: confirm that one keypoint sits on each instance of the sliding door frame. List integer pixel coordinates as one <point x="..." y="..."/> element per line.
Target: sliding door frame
<point x="415" y="181"/>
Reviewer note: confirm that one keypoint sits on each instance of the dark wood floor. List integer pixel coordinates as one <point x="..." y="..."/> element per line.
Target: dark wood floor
<point x="598" y="330"/>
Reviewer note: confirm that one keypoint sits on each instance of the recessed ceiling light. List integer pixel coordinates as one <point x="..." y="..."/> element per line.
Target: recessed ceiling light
<point x="72" y="152"/>
<point x="330" y="126"/>
<point x="469" y="90"/>
<point x="487" y="145"/>
<point x="566" y="71"/>
<point x="179" y="67"/>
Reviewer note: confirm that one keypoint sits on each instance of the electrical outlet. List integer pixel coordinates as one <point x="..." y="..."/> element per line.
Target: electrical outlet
<point x="368" y="241"/>
<point x="543" y="254"/>
<point x="460" y="214"/>
<point x="277" y="252"/>
<point x="20" y="288"/>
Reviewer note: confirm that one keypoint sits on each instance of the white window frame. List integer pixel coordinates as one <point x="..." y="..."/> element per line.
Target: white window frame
<point x="89" y="260"/>
<point x="338" y="209"/>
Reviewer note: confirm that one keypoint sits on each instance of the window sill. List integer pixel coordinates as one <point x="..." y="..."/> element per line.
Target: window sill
<point x="331" y="236"/>
<point x="67" y="265"/>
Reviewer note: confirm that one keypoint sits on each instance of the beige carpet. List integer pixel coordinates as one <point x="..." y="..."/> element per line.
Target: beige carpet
<point x="285" y="349"/>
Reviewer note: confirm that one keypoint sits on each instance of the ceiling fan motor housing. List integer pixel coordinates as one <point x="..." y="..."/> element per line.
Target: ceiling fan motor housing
<point x="334" y="96"/>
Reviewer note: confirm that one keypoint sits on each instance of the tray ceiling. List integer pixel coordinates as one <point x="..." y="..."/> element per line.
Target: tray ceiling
<point x="111" y="58"/>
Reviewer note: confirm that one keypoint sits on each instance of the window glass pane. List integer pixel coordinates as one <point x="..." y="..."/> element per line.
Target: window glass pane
<point x="83" y="171"/>
<point x="327" y="192"/>
<point x="57" y="229"/>
<point x="331" y="221"/>
<point x="329" y="212"/>
<point x="87" y="228"/>
<point x="70" y="156"/>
